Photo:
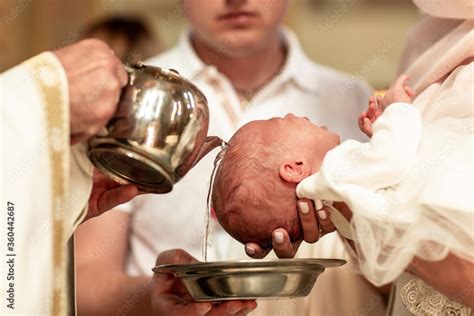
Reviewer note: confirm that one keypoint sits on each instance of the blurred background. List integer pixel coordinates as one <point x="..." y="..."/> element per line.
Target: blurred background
<point x="361" y="37"/>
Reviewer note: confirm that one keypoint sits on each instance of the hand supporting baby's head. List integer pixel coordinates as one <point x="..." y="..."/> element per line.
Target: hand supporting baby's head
<point x="254" y="187"/>
<point x="249" y="197"/>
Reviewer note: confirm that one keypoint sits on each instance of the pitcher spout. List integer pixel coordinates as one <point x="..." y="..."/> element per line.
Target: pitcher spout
<point x="209" y="144"/>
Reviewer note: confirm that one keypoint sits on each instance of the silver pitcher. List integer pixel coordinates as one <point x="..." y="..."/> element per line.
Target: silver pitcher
<point x="158" y="133"/>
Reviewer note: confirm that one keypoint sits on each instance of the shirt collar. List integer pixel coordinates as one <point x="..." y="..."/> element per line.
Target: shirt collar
<point x="297" y="68"/>
<point x="195" y="66"/>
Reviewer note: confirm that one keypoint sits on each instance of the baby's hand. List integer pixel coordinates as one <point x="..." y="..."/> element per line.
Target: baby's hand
<point x="398" y="92"/>
<point x="367" y="118"/>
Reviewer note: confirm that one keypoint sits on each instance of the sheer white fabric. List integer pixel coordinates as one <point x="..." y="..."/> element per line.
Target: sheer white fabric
<point x="455" y="9"/>
<point x="410" y="195"/>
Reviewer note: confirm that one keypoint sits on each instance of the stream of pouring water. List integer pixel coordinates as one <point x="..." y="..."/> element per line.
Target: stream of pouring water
<point x="217" y="162"/>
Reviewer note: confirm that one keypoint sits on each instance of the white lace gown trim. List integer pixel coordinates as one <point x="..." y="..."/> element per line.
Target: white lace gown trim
<point x="421" y="299"/>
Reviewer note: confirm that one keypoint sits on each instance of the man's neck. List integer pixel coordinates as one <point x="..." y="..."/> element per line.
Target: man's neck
<point x="249" y="72"/>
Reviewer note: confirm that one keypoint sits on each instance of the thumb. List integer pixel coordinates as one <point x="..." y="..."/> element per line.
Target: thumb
<point x="175" y="256"/>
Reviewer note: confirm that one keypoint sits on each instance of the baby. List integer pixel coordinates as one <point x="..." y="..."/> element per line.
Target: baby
<point x="255" y="184"/>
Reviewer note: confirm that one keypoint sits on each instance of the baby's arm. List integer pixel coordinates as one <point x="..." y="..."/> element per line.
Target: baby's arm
<point x="399" y="92"/>
<point x="382" y="162"/>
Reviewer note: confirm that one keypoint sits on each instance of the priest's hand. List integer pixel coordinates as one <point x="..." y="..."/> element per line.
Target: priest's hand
<point x="107" y="194"/>
<point x="95" y="78"/>
<point x="169" y="297"/>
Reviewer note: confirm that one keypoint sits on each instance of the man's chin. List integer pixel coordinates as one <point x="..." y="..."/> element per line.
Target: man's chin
<point x="240" y="44"/>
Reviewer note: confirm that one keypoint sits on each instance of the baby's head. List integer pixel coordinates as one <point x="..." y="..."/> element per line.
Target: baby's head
<point x="254" y="187"/>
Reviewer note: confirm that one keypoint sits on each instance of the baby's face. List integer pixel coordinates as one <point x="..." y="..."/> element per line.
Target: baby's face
<point x="250" y="197"/>
<point x="298" y="133"/>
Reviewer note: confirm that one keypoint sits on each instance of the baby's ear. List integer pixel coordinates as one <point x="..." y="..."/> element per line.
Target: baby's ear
<point x="294" y="171"/>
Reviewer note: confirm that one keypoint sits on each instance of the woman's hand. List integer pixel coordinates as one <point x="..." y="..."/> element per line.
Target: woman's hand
<point x="315" y="223"/>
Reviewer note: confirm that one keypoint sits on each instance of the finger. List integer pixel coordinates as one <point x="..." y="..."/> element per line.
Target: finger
<point x="254" y="250"/>
<point x="226" y="309"/>
<point x="378" y="110"/>
<point x="180" y="307"/>
<point x="169" y="290"/>
<point x="371" y="112"/>
<point x="409" y="91"/>
<point x="106" y="182"/>
<point x="200" y="308"/>
<point x="308" y="221"/>
<point x="111" y="198"/>
<point x="380" y="102"/>
<point x="174" y="305"/>
<point x="360" y="121"/>
<point x="401" y="80"/>
<point x="369" y="109"/>
<point x="245" y="308"/>
<point x="122" y="75"/>
<point x="282" y="244"/>
<point x="249" y="306"/>
<point x="367" y="127"/>
<point x="379" y="99"/>
<point x="175" y="256"/>
<point x="324" y="221"/>
<point x="371" y="99"/>
<point x="361" y="118"/>
<point x="170" y="297"/>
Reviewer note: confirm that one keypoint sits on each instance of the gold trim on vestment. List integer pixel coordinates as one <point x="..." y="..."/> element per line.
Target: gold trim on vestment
<point x="49" y="77"/>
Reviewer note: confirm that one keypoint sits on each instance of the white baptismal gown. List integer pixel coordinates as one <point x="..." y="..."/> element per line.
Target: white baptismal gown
<point x="409" y="188"/>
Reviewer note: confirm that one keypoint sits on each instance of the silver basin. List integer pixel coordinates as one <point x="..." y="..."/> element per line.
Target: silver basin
<point x="250" y="279"/>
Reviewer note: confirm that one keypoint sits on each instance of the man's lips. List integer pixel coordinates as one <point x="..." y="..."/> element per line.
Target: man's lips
<point x="238" y="16"/>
